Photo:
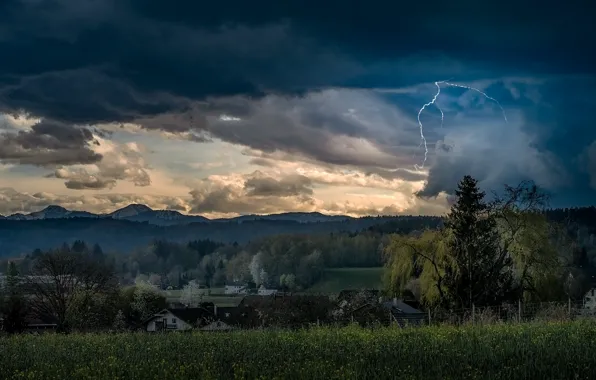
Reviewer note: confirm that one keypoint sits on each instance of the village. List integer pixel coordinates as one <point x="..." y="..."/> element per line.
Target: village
<point x="244" y="306"/>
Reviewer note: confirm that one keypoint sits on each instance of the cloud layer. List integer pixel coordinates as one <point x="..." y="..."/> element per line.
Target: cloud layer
<point x="313" y="102"/>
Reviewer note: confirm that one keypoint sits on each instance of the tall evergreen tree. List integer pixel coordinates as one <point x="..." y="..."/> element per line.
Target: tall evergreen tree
<point x="479" y="276"/>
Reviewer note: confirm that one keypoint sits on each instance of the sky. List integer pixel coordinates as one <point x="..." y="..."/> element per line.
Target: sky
<point x="234" y="107"/>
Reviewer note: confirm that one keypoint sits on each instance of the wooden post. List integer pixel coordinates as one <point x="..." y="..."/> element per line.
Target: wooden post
<point x="519" y="311"/>
<point x="429" y="316"/>
<point x="569" y="305"/>
<point x="473" y="314"/>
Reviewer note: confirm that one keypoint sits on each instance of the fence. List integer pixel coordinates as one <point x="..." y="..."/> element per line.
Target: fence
<point x="506" y="313"/>
<point x="512" y="313"/>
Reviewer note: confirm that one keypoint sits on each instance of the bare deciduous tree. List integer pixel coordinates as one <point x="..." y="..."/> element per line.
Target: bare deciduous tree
<point x="59" y="280"/>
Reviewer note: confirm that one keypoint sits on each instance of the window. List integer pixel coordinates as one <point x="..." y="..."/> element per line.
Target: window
<point x="174" y="321"/>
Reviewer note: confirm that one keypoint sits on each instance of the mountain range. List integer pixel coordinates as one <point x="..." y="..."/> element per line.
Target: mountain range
<point x="144" y="214"/>
<point x="137" y="225"/>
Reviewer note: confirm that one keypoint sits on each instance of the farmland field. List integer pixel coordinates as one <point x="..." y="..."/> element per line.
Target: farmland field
<point x="216" y="295"/>
<point x="523" y="351"/>
<point x="176" y="293"/>
<point x="338" y="279"/>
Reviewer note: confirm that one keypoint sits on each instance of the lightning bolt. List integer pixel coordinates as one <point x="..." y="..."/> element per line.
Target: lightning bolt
<point x="482" y="93"/>
<point x="433" y="102"/>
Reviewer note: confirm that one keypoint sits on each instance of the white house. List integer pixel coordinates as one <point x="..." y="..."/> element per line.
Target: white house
<point x="266" y="292"/>
<point x="590" y="299"/>
<point x="178" y="319"/>
<point x="235" y="288"/>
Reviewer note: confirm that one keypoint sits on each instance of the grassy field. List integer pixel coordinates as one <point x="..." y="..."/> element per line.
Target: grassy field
<point x="216" y="296"/>
<point x="334" y="281"/>
<point x="178" y="292"/>
<point x="526" y="351"/>
<point x="338" y="279"/>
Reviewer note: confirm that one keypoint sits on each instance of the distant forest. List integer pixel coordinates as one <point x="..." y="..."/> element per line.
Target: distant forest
<point x="18" y="238"/>
<point x="286" y="255"/>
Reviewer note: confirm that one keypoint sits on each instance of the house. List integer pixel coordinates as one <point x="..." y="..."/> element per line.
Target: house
<point x="182" y="319"/>
<point x="404" y="314"/>
<point x="266" y="292"/>
<point x="238" y="317"/>
<point x="590" y="300"/>
<point x="360" y="306"/>
<point x="34" y="324"/>
<point x="236" y="288"/>
<point x="39" y="325"/>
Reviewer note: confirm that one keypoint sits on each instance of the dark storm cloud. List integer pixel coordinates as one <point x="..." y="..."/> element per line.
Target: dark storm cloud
<point x="81" y="60"/>
<point x="49" y="143"/>
<point x="548" y="140"/>
<point x="317" y="126"/>
<point x="82" y="95"/>
<point x="144" y="61"/>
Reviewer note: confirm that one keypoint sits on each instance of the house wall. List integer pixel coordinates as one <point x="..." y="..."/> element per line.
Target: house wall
<point x="234" y="289"/>
<point x="267" y="292"/>
<point x="180" y="324"/>
<point x="590" y="299"/>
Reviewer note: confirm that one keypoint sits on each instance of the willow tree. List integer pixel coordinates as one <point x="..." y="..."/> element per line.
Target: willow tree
<point x="426" y="257"/>
<point x="539" y="249"/>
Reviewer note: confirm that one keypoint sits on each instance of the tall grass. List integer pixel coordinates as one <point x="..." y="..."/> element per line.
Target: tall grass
<point x="554" y="350"/>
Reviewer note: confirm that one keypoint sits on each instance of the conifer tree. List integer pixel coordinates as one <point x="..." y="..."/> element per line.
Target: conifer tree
<point x="480" y="275"/>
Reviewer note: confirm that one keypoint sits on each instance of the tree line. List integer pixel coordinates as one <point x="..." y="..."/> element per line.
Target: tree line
<point x="292" y="262"/>
<point x="491" y="252"/>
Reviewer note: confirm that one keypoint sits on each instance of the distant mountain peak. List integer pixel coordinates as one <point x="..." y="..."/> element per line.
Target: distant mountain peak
<point x="144" y="214"/>
<point x="50" y="212"/>
<point x="54" y="208"/>
<point x="130" y="210"/>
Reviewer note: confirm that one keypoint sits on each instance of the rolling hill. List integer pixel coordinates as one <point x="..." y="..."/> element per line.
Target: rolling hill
<point x="23" y="236"/>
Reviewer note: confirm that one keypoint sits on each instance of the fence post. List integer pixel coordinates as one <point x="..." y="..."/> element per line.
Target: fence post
<point x="429" y="316"/>
<point x="519" y="311"/>
<point x="473" y="314"/>
<point x="569" y="305"/>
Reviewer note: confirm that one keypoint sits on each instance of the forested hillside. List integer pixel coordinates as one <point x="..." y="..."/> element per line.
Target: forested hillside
<point x="18" y="237"/>
<point x="290" y="254"/>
